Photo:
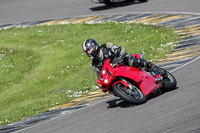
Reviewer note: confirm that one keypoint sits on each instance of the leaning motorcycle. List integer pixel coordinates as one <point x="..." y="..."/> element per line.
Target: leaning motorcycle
<point x="112" y="2"/>
<point x="133" y="84"/>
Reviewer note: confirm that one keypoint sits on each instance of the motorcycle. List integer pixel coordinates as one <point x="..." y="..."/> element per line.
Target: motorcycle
<point x="132" y="84"/>
<point x="112" y="2"/>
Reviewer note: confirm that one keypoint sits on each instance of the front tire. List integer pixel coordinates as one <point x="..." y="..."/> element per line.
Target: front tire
<point x="134" y="95"/>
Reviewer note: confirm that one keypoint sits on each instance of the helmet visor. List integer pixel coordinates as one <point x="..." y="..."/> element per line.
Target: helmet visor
<point x="89" y="51"/>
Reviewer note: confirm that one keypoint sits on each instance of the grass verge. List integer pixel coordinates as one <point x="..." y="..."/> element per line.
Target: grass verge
<point x="44" y="66"/>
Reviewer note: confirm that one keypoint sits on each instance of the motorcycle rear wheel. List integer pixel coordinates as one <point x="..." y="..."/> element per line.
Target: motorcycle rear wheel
<point x="134" y="96"/>
<point x="169" y="82"/>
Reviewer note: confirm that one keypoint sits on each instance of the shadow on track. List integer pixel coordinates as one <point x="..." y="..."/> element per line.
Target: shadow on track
<point x="114" y="5"/>
<point x="121" y="103"/>
<point x="118" y="103"/>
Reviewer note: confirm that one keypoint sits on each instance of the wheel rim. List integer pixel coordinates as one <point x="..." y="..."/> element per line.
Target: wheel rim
<point x="133" y="92"/>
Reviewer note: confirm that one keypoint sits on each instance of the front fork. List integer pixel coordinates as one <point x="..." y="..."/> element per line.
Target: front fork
<point x="125" y="83"/>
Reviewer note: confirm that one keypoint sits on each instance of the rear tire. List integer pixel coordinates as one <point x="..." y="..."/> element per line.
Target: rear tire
<point x="169" y="82"/>
<point x="134" y="96"/>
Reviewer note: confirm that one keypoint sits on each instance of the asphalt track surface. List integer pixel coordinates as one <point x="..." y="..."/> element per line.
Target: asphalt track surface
<point x="174" y="111"/>
<point x="32" y="10"/>
<point x="177" y="111"/>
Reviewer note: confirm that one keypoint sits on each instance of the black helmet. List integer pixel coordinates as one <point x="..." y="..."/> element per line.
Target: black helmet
<point x="90" y="46"/>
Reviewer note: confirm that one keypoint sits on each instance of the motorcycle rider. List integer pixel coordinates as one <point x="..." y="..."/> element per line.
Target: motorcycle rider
<point x="117" y="54"/>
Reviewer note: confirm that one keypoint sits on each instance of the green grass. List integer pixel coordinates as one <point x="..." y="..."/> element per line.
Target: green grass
<point x="44" y="66"/>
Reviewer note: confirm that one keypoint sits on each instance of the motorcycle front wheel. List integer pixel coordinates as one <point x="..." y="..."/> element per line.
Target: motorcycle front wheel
<point x="132" y="95"/>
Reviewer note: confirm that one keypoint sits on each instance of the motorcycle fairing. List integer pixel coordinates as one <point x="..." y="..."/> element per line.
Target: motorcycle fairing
<point x="125" y="71"/>
<point x="148" y="85"/>
<point x="122" y="82"/>
<point x="145" y="80"/>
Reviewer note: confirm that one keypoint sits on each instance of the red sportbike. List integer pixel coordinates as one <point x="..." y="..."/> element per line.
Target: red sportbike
<point x="133" y="84"/>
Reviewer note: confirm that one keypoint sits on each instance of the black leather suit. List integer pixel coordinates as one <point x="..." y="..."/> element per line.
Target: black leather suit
<point x="117" y="54"/>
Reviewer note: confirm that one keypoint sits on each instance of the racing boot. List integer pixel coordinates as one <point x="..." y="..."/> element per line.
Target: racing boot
<point x="154" y="68"/>
<point x="146" y="64"/>
<point x="162" y="73"/>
